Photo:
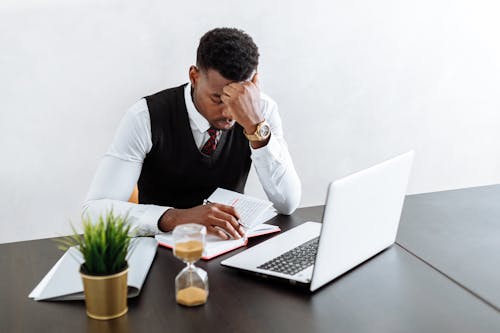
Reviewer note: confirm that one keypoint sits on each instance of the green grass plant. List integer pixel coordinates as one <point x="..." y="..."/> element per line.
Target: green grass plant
<point x="104" y="244"/>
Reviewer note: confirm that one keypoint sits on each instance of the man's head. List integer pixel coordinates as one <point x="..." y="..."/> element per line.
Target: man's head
<point x="224" y="55"/>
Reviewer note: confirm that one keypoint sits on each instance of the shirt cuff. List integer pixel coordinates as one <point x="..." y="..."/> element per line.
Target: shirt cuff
<point x="265" y="156"/>
<point x="149" y="220"/>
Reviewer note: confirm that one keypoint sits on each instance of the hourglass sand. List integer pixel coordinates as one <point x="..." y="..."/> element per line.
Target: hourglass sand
<point x="191" y="284"/>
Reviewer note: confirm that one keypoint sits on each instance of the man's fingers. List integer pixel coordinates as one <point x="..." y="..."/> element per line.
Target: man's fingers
<point x="220" y="214"/>
<point x="232" y="89"/>
<point x="229" y="213"/>
<point x="229" y="217"/>
<point x="228" y="209"/>
<point x="217" y="232"/>
<point x="226" y="226"/>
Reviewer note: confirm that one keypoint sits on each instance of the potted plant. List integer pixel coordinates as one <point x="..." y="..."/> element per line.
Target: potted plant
<point x="104" y="245"/>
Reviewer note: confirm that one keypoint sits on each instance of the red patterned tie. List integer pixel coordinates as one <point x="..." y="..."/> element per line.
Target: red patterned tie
<point x="211" y="144"/>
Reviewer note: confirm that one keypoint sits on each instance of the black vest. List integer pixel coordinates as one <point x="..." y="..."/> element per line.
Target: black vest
<point x="175" y="173"/>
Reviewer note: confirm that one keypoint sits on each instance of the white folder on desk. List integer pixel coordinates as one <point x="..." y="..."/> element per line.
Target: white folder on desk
<point x="63" y="281"/>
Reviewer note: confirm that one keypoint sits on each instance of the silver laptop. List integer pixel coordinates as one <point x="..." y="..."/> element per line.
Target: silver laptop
<point x="361" y="219"/>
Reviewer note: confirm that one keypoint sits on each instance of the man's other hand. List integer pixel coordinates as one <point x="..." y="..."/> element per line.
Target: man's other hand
<point x="219" y="219"/>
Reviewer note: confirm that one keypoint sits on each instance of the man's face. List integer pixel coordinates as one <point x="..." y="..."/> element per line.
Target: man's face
<point x="207" y="89"/>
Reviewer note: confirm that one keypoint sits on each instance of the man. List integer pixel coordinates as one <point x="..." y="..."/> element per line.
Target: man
<point x="182" y="143"/>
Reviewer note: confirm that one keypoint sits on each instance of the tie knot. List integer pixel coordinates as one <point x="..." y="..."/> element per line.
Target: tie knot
<point x="212" y="132"/>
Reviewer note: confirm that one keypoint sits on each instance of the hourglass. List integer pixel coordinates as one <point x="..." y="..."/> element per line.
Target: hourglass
<point x="191" y="284"/>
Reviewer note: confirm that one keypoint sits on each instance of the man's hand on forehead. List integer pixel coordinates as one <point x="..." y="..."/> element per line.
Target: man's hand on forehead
<point x="243" y="103"/>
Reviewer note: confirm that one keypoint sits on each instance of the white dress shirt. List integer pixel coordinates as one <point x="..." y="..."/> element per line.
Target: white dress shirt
<point x="120" y="168"/>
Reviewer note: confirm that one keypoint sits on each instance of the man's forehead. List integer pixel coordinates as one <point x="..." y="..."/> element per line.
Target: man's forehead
<point x="214" y="80"/>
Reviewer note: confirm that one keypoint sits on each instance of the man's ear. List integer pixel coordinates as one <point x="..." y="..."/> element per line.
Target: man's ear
<point x="194" y="75"/>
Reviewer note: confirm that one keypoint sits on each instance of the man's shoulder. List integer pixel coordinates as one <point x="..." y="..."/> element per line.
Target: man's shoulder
<point x="167" y="92"/>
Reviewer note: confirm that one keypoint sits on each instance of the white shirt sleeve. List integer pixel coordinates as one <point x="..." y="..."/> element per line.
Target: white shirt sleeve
<point x="119" y="170"/>
<point x="274" y="165"/>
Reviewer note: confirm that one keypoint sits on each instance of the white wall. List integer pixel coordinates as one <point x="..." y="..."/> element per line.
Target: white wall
<point x="356" y="81"/>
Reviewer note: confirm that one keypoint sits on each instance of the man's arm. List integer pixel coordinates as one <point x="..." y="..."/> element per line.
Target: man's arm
<point x="274" y="166"/>
<point x="119" y="171"/>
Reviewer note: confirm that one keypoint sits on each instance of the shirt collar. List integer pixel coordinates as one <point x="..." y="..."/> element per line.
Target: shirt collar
<point x="196" y="120"/>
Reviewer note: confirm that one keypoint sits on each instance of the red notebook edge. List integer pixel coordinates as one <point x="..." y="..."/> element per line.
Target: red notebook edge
<point x="230" y="249"/>
<point x="212" y="256"/>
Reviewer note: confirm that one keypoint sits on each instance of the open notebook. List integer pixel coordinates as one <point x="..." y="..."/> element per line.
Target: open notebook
<point x="63" y="281"/>
<point x="216" y="246"/>
<point x="253" y="213"/>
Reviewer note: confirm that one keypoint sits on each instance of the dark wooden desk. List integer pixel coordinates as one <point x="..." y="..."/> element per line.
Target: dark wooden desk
<point x="458" y="233"/>
<point x="393" y="292"/>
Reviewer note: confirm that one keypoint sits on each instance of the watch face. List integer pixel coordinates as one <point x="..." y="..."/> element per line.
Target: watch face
<point x="264" y="130"/>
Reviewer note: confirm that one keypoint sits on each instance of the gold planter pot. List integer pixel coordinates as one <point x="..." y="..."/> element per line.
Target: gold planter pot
<point x="105" y="296"/>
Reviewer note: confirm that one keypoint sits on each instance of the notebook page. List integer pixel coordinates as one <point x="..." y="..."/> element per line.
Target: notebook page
<point x="250" y="209"/>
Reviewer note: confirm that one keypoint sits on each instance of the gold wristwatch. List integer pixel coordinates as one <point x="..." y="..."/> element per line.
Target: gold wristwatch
<point x="262" y="132"/>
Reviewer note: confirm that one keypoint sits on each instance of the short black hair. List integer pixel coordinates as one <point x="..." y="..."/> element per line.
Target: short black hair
<point x="229" y="51"/>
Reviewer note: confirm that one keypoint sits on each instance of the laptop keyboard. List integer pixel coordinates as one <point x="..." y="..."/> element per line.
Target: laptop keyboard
<point x="295" y="260"/>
